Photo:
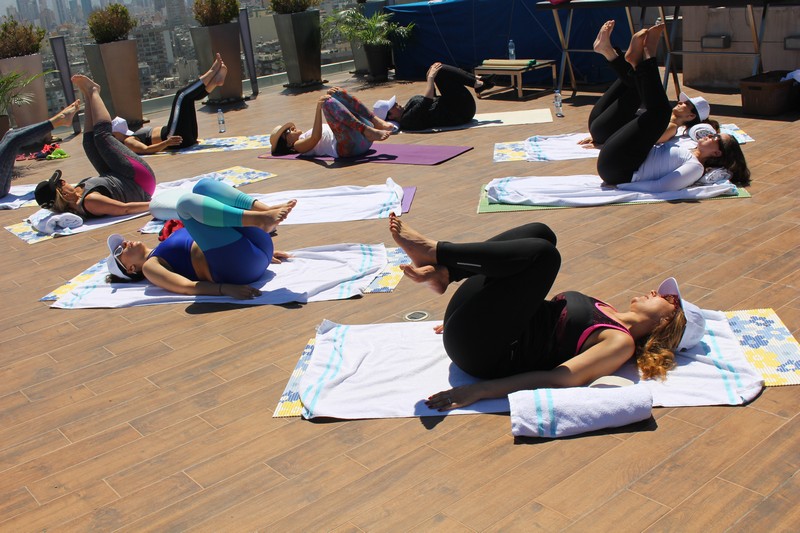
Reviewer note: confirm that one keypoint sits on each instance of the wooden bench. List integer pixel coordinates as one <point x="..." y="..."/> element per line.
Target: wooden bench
<point x="516" y="72"/>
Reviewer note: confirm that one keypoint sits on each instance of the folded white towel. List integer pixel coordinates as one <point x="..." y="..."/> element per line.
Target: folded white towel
<point x="563" y="412"/>
<point x="45" y="221"/>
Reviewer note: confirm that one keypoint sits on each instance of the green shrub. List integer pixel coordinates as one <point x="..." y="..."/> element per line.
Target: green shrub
<point x="285" y="7"/>
<point x="19" y="39"/>
<point x="215" y="12"/>
<point x="112" y="23"/>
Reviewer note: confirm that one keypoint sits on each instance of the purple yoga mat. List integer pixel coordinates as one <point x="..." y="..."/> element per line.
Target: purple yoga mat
<point x="408" y="197"/>
<point x="399" y="154"/>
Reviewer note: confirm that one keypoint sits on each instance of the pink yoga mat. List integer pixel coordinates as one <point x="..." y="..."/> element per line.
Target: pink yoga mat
<point x="399" y="154"/>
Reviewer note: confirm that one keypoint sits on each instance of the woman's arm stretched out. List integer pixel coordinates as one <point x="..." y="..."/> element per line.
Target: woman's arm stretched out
<point x="159" y="275"/>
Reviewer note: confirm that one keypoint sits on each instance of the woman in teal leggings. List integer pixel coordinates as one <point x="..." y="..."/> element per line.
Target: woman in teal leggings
<point x="224" y="246"/>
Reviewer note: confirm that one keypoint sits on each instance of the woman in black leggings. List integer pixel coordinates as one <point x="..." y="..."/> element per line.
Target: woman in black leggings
<point x="454" y="106"/>
<point x="498" y="325"/>
<point x="631" y="157"/>
<point x="181" y="128"/>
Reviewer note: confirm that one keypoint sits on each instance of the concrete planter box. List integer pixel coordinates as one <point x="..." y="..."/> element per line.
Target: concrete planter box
<point x="225" y="40"/>
<point x="36" y="111"/>
<point x="299" y="36"/>
<point x="115" y="67"/>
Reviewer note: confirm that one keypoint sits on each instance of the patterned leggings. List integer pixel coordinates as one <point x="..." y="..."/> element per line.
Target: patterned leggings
<point x="347" y="118"/>
<point x="212" y="214"/>
<point x="12" y="141"/>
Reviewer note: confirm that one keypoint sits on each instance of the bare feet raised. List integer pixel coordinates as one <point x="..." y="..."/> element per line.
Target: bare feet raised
<point x="269" y="218"/>
<point x="219" y="77"/>
<point x="84" y="84"/>
<point x="64" y="118"/>
<point x="635" y="49"/>
<point x="602" y="44"/>
<point x="375" y="134"/>
<point x="437" y="277"/>
<point x="208" y="77"/>
<point x="652" y="39"/>
<point x="381" y="124"/>
<point x="419" y="248"/>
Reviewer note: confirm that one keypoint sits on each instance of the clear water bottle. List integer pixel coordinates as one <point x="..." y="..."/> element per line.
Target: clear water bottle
<point x="557" y="104"/>
<point x="221" y="120"/>
<point x="512" y="50"/>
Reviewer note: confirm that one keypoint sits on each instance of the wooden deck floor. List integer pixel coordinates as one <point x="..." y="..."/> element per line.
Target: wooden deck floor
<point x="160" y="418"/>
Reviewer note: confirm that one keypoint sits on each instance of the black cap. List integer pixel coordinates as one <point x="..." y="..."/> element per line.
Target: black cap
<point x="45" y="192"/>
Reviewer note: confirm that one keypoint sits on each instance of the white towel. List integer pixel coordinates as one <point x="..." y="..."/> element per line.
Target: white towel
<point x="331" y="204"/>
<point x="586" y="190"/>
<point x="388" y="370"/>
<point x="556" y="413"/>
<point x="17" y="196"/>
<point x="333" y="272"/>
<point x="45" y="221"/>
<point x="558" y="147"/>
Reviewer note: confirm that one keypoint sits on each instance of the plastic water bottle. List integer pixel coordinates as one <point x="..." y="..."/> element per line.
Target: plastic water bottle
<point x="221" y="120"/>
<point x="557" y="104"/>
<point x="512" y="50"/>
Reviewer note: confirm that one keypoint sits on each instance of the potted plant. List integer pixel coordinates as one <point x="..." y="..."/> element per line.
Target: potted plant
<point x="11" y="85"/>
<point x="377" y="33"/>
<point x="218" y="33"/>
<point x="299" y="35"/>
<point x="114" y="62"/>
<point x="337" y="27"/>
<point x="19" y="53"/>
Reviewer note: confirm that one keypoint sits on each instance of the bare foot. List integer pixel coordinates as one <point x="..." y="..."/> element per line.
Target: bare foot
<point x="419" y="248"/>
<point x="208" y="77"/>
<point x="219" y="77"/>
<point x="652" y="39"/>
<point x="84" y="84"/>
<point x="635" y="49"/>
<point x="602" y="44"/>
<point x="381" y="124"/>
<point x="376" y="135"/>
<point x="436" y="277"/>
<point x="268" y="220"/>
<point x="64" y="118"/>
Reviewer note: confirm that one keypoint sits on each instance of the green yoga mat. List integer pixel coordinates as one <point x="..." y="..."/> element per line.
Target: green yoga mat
<point x="485" y="207"/>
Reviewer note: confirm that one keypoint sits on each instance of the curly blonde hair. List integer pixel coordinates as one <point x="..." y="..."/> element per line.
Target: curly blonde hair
<point x="655" y="354"/>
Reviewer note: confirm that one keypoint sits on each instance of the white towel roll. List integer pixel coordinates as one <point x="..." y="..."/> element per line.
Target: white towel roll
<point x="556" y="413"/>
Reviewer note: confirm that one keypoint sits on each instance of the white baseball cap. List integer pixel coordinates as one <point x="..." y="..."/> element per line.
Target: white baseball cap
<point x="695" y="323"/>
<point x="120" y="125"/>
<point x="114" y="266"/>
<point x="382" y="107"/>
<point x="699" y="103"/>
<point x="699" y="131"/>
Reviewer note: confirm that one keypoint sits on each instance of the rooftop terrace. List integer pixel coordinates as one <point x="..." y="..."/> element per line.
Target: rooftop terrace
<point x="160" y="418"/>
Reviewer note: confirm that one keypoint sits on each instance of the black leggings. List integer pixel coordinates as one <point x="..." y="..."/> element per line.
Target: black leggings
<point x="183" y="116"/>
<point x="456" y="104"/>
<point x="627" y="138"/>
<point x="490" y="313"/>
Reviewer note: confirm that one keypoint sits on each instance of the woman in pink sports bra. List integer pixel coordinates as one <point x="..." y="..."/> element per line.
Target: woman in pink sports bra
<point x="499" y="327"/>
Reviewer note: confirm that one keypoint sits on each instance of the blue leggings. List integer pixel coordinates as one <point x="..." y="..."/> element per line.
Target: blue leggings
<point x="212" y="214"/>
<point x="12" y="141"/>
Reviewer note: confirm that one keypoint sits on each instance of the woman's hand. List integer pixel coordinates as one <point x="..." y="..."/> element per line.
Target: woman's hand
<point x="454" y="398"/>
<point x="334" y="90"/>
<point x="323" y="98"/>
<point x="278" y="257"/>
<point x="587" y="140"/>
<point x="438" y="329"/>
<point x="240" y="292"/>
<point x="434" y="70"/>
<point x="174" y="140"/>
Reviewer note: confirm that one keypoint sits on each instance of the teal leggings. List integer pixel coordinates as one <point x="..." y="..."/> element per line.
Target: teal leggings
<point x="212" y="214"/>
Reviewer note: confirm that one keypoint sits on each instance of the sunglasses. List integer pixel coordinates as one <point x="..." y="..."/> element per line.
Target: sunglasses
<point x="118" y="251"/>
<point x="673" y="299"/>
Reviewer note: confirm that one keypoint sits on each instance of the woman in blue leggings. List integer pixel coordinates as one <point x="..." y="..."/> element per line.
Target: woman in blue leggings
<point x="223" y="246"/>
<point x="15" y="139"/>
<point x="350" y="131"/>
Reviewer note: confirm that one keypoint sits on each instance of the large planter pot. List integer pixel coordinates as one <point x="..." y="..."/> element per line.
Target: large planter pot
<point x="5" y="125"/>
<point x="115" y="67"/>
<point x="36" y="111"/>
<point x="359" y="57"/>
<point x="379" y="59"/>
<point x="225" y="40"/>
<point x="299" y="36"/>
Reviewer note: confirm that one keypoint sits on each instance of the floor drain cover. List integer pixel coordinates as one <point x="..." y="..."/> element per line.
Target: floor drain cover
<point x="415" y="316"/>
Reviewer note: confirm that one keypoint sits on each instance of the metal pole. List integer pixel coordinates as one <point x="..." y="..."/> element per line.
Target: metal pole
<point x="59" y="48"/>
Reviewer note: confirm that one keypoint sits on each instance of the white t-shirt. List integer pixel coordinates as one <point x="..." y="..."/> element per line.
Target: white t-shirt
<point x="668" y="167"/>
<point x="326" y="145"/>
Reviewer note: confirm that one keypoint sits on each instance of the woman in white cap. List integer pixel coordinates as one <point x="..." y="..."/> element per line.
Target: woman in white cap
<point x="125" y="183"/>
<point x="224" y="246"/>
<point x="17" y="138"/>
<point x="350" y="130"/>
<point x="499" y="326"/>
<point x="181" y="128"/>
<point x="453" y="106"/>
<point x="631" y="157"/>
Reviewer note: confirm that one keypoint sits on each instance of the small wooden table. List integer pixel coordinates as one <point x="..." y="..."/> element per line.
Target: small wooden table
<point x="516" y="72"/>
